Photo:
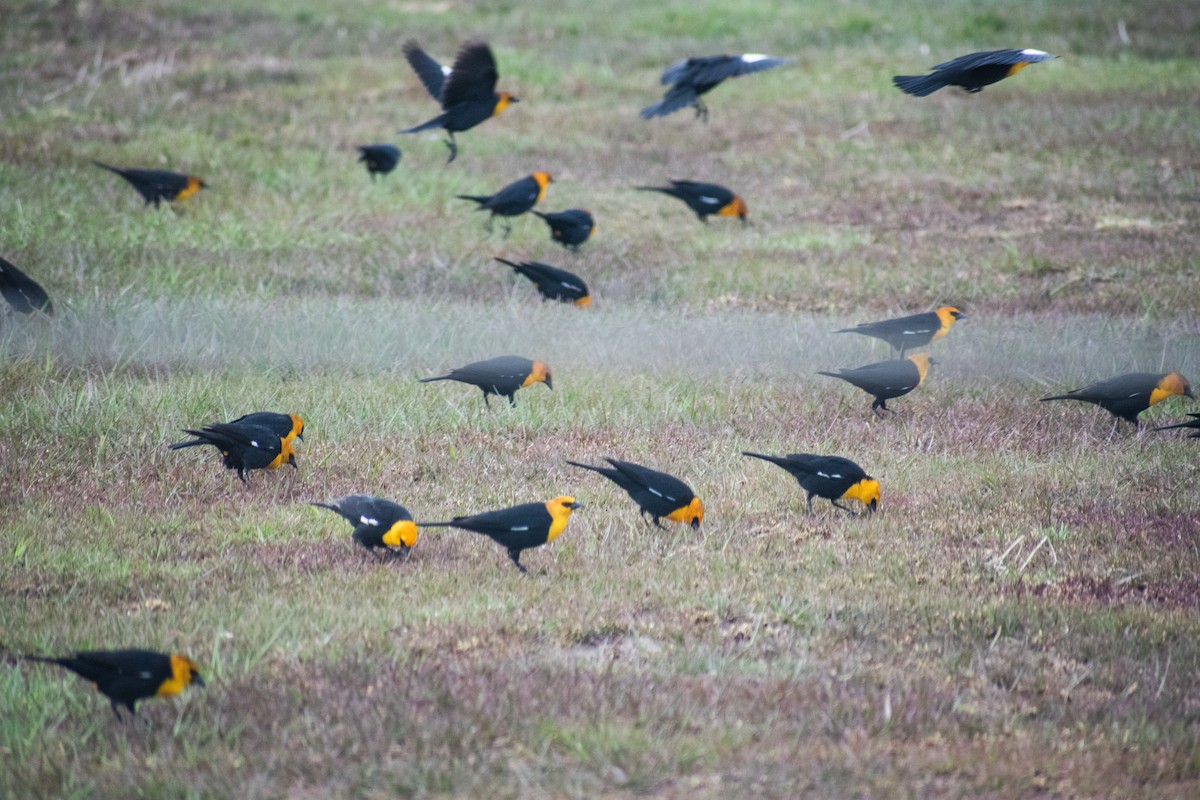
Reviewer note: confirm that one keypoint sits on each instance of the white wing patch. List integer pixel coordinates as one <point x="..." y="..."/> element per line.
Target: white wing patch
<point x="712" y="201"/>
<point x="521" y="528"/>
<point x="750" y="58"/>
<point x="1029" y="51"/>
<point x="654" y="491"/>
<point x="365" y="520"/>
<point x="145" y="675"/>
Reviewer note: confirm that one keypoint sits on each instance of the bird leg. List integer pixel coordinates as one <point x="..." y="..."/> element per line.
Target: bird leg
<point x="515" y="555"/>
<point x="701" y="109"/>
<point x="836" y="504"/>
<point x="507" y="230"/>
<point x="453" y="147"/>
<point x="810" y="497"/>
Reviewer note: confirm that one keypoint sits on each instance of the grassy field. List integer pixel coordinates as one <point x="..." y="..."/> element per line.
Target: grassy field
<point x="1019" y="620"/>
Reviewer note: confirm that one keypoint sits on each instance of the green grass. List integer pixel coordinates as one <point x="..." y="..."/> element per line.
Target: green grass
<point x="1018" y="620"/>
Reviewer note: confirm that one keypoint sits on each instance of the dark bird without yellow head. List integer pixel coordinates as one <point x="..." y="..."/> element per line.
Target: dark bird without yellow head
<point x="1128" y="395"/>
<point x="467" y="92"/>
<point x="22" y="292"/>
<point x="514" y="199"/>
<point x="887" y="379"/>
<point x="551" y="282"/>
<point x="243" y="446"/>
<point x="379" y="158"/>
<point x="832" y="477"/>
<point x="691" y="77"/>
<point x="657" y="494"/>
<point x="570" y="228"/>
<point x="378" y="523"/>
<point x="520" y="527"/>
<point x="972" y="71"/>
<point x="1193" y="423"/>
<point x="502" y="376"/>
<point x="917" y="330"/>
<point x="126" y="677"/>
<point x="706" y="199"/>
<point x="156" y="185"/>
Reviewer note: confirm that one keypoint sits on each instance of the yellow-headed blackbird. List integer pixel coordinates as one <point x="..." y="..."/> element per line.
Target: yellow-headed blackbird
<point x="832" y="477"/>
<point x="917" y="330"/>
<point x="514" y="199"/>
<point x="1128" y="395"/>
<point x="379" y="158"/>
<point x="1194" y="422"/>
<point x="553" y="283"/>
<point x="377" y="522"/>
<point x="127" y="676"/>
<point x="156" y="185"/>
<point x="691" y="77"/>
<point x="520" y="527"/>
<point x="502" y="376"/>
<point x="570" y="228"/>
<point x="704" y="198"/>
<point x="656" y="493"/>
<point x="286" y="426"/>
<point x="244" y="447"/>
<point x="972" y="72"/>
<point x="467" y="92"/>
<point x="21" y="291"/>
<point x="887" y="379"/>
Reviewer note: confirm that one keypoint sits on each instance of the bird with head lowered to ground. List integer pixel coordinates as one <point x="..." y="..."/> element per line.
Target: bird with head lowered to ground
<point x="379" y="158"/>
<point x="706" y="199"/>
<point x="657" y="494"/>
<point x="691" y="77"/>
<point x="126" y="677"/>
<point x="1128" y="395"/>
<point x="513" y="200"/>
<point x="378" y="523"/>
<point x="570" y="228"/>
<point x="916" y="330"/>
<point x="885" y="380"/>
<point x="551" y="282"/>
<point x="520" y="527"/>
<point x="502" y="375"/>
<point x="243" y="447"/>
<point x="832" y="477"/>
<point x="156" y="185"/>
<point x="972" y="71"/>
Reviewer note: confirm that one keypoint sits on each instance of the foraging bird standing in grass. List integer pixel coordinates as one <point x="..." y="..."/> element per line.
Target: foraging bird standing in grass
<point x="705" y="199"/>
<point x="467" y="92"/>
<point x="156" y="185"/>
<point x="916" y="330"/>
<point x="514" y="199"/>
<point x="288" y="427"/>
<point x="1128" y="395"/>
<point x="377" y="522"/>
<point x="972" y="71"/>
<point x="551" y="282"/>
<point x="243" y="447"/>
<point x="379" y="158"/>
<point x="570" y="228"/>
<point x="502" y="375"/>
<point x="128" y="676"/>
<point x="520" y="527"/>
<point x="691" y="77"/>
<point x="22" y="292"/>
<point x="1194" y="422"/>
<point x="832" y="477"/>
<point x="887" y="379"/>
<point x="657" y="494"/>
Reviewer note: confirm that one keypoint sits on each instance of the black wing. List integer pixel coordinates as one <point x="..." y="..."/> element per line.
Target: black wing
<point x="431" y="73"/>
<point x="473" y="76"/>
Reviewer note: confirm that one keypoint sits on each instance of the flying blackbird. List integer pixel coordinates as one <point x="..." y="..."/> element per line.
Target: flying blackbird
<point x="917" y="330"/>
<point x="1128" y="395"/>
<point x="514" y="199"/>
<point x="691" y="77"/>
<point x="156" y="185"/>
<point x="21" y="291"/>
<point x="832" y="477"/>
<point x="551" y="282"/>
<point x="467" y="92"/>
<point x="128" y="676"/>
<point x="243" y="447"/>
<point x="656" y="493"/>
<point x="972" y="72"/>
<point x="570" y="228"/>
<point x="704" y="198"/>
<point x="502" y="375"/>
<point x="520" y="527"/>
<point x="379" y="158"/>
<point x="887" y="379"/>
<point x="377" y="522"/>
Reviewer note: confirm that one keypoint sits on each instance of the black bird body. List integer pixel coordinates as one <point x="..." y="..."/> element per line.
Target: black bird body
<point x="657" y="494"/>
<point x="691" y="77"/>
<point x="126" y="677"/>
<point x="378" y="523"/>
<point x="570" y="228"/>
<point x="156" y="185"/>
<point x="379" y="158"/>
<point x="831" y="477"/>
<point x="514" y="199"/>
<point x="520" y="527"/>
<point x="887" y="379"/>
<point x="706" y="199"/>
<point x="916" y="330"/>
<point x="502" y="375"/>
<point x="243" y="447"/>
<point x="1128" y="395"/>
<point x="551" y="282"/>
<point x="972" y="71"/>
<point x="1194" y="423"/>
<point x="467" y="93"/>
<point x="21" y="291"/>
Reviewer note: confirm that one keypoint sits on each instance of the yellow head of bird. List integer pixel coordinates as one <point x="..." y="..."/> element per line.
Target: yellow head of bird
<point x="540" y="373"/>
<point x="1172" y="383"/>
<point x="735" y="208"/>
<point x="922" y="362"/>
<point x="866" y="491"/>
<point x="403" y="533"/>
<point x="297" y="428"/>
<point x="184" y="672"/>
<point x="948" y="315"/>
<point x="503" y="101"/>
<point x="691" y="514"/>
